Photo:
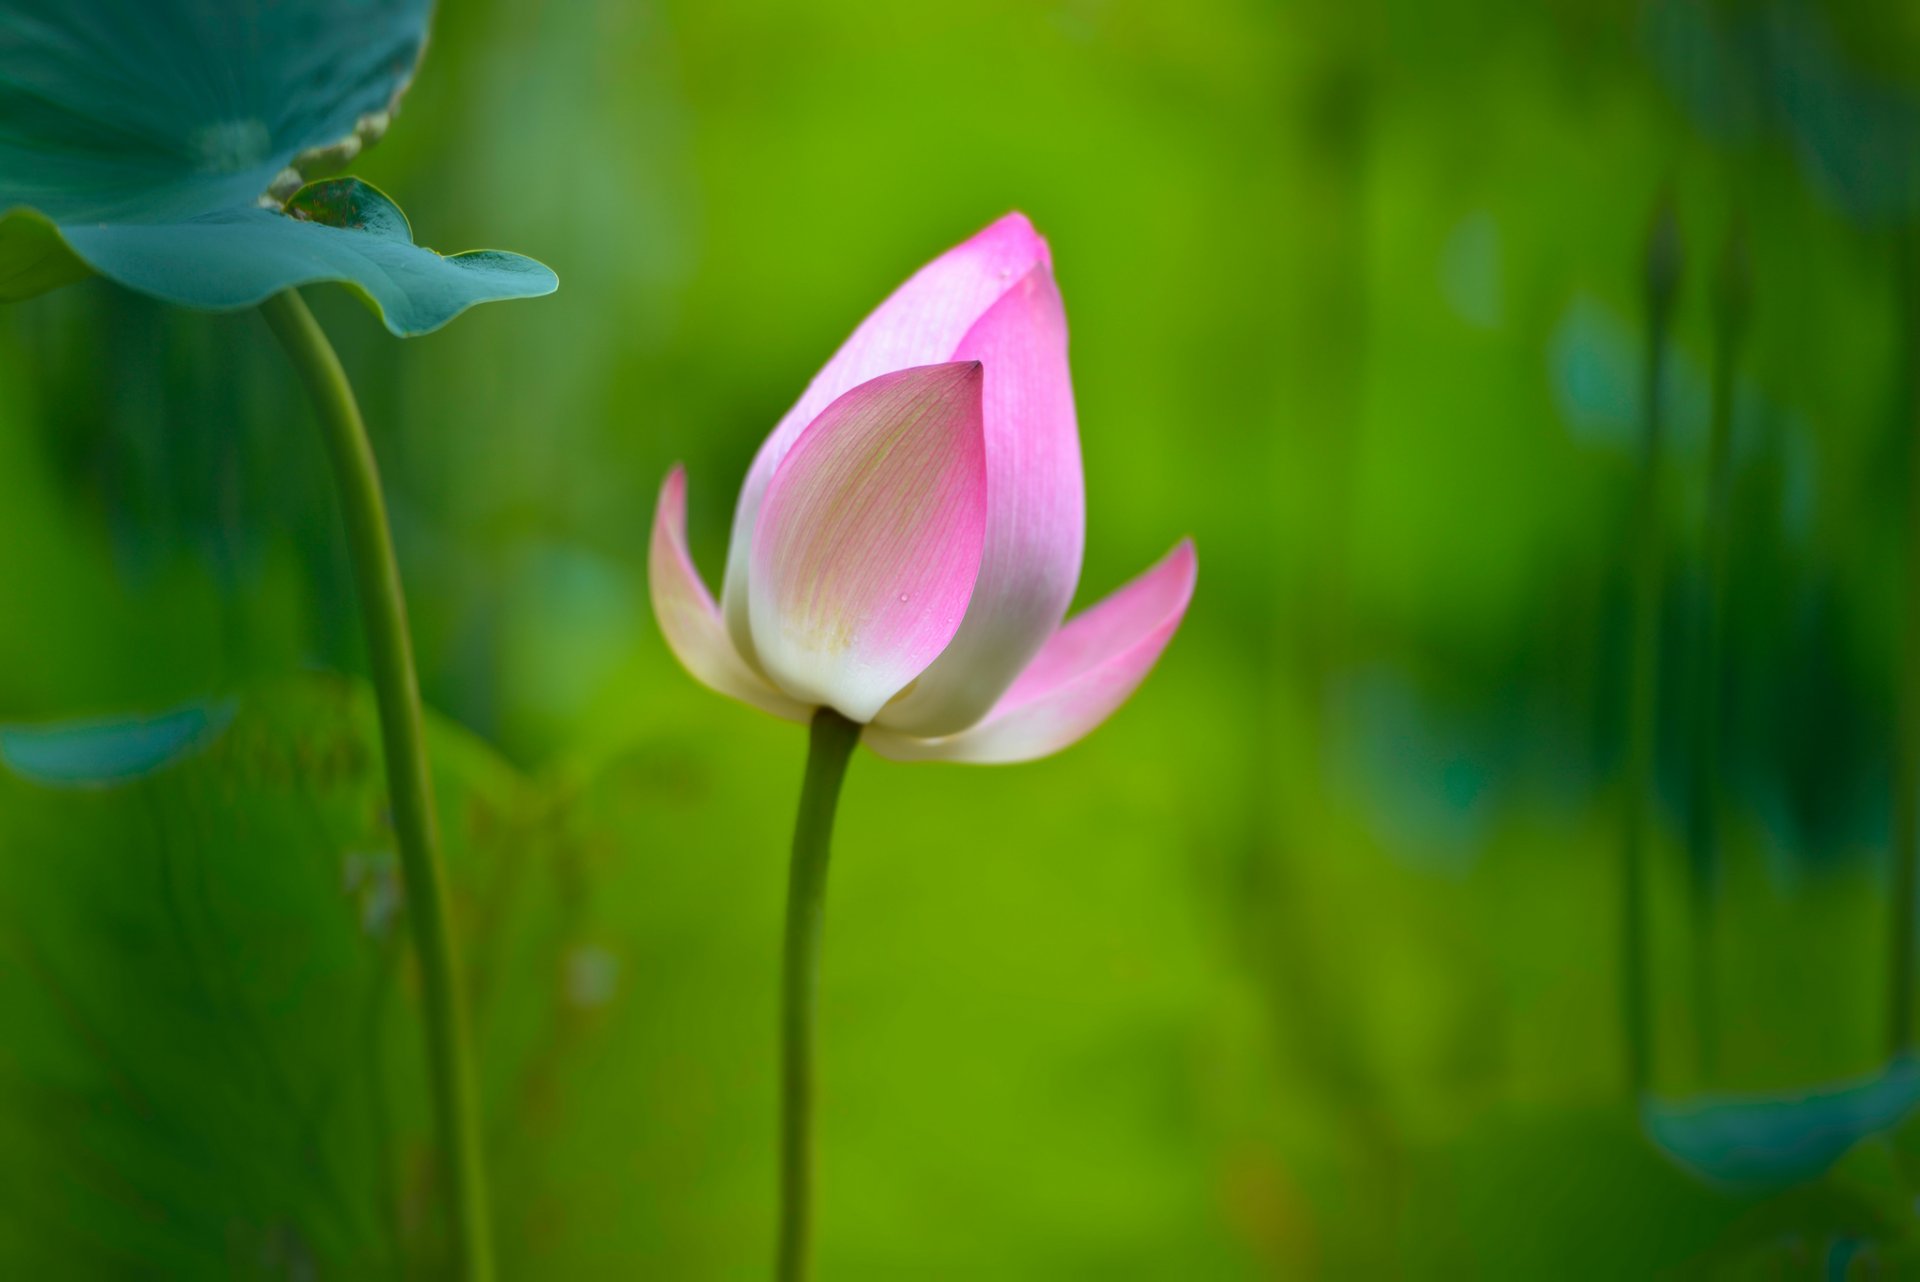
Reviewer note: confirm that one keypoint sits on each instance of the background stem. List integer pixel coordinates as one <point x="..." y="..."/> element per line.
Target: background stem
<point x="1709" y="674"/>
<point x="830" y="744"/>
<point x="1662" y="276"/>
<point x="409" y="785"/>
<point x="1906" y="762"/>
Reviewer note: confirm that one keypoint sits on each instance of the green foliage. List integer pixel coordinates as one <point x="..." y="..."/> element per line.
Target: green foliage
<point x="210" y="1068"/>
<point x="213" y="1061"/>
<point x="1305" y="965"/>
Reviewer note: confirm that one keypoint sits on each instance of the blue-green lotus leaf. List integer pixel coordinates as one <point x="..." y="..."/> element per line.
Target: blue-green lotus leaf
<point x="341" y="229"/>
<point x="97" y="752"/>
<point x="139" y="140"/>
<point x="1759" y="1142"/>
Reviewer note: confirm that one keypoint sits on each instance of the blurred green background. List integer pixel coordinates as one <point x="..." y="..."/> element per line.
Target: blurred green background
<point x="1309" y="963"/>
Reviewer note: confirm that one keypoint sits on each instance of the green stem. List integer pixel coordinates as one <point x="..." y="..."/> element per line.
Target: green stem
<point x="1709" y="673"/>
<point x="409" y="785"/>
<point x="1643" y="693"/>
<point x="829" y="746"/>
<point x="1906" y="824"/>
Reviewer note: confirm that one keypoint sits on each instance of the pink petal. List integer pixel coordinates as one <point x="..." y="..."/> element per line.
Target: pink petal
<point x="1036" y="513"/>
<point x="1089" y="668"/>
<point x="868" y="542"/>
<point x="688" y="617"/>
<point x="922" y="323"/>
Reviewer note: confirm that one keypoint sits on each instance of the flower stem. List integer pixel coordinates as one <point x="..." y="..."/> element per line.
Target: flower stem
<point x="829" y="746"/>
<point x="409" y="785"/>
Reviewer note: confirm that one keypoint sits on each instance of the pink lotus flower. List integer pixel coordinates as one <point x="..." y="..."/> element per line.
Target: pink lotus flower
<point x="908" y="539"/>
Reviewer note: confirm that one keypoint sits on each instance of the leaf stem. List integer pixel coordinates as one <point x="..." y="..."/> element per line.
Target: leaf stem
<point x="830" y="744"/>
<point x="409" y="783"/>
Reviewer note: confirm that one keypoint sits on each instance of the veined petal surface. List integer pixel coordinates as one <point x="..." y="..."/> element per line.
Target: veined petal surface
<point x="1090" y="667"/>
<point x="688" y="617"/>
<point x="1036" y="512"/>
<point x="921" y="323"/>
<point x="868" y="543"/>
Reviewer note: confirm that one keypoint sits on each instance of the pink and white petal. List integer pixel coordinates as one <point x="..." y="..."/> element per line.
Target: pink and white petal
<point x="868" y="542"/>
<point x="921" y="323"/>
<point x="1089" y="668"/>
<point x="1036" y="513"/>
<point x="688" y="617"/>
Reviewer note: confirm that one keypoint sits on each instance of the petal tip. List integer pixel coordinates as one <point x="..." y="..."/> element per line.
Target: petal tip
<point x="968" y="376"/>
<point x="671" y="509"/>
<point x="1187" y="556"/>
<point x="1016" y="229"/>
<point x="1176" y="573"/>
<point x="1012" y="223"/>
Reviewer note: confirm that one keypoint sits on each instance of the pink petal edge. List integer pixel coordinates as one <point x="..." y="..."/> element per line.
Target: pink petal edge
<point x="688" y="617"/>
<point x="1036" y="513"/>
<point x="868" y="543"/>
<point x="920" y="323"/>
<point x="1090" y="667"/>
